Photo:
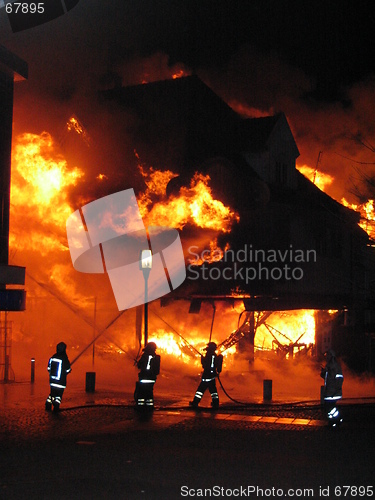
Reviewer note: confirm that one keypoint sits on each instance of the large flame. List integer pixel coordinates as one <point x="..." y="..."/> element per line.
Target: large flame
<point x="40" y="179"/>
<point x="320" y="179"/>
<point x="285" y="333"/>
<point x="367" y="212"/>
<point x="289" y="328"/>
<point x="170" y="344"/>
<point x="41" y="182"/>
<point x="195" y="204"/>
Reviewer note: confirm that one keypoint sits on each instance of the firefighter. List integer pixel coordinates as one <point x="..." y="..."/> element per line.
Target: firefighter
<point x="58" y="368"/>
<point x="149" y="366"/>
<point x="212" y="364"/>
<point x="333" y="380"/>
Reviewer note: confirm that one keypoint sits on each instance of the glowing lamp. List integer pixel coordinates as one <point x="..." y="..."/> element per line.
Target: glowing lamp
<point x="146" y="265"/>
<point x="146" y="259"/>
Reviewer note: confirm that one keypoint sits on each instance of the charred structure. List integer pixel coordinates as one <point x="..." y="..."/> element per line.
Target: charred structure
<point x="293" y="246"/>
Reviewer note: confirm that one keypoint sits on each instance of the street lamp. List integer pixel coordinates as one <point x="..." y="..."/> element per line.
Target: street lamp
<point x="146" y="265"/>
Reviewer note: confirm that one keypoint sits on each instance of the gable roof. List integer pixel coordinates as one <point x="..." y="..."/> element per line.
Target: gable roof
<point x="189" y="94"/>
<point x="255" y="132"/>
<point x="211" y="127"/>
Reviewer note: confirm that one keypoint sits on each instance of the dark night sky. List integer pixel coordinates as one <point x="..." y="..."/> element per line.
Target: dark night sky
<point x="313" y="60"/>
<point x="332" y="42"/>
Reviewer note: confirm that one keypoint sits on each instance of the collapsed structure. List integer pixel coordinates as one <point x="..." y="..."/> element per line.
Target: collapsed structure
<point x="292" y="247"/>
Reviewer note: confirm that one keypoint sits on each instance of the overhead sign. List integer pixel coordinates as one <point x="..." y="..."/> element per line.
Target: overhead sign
<point x="12" y="300"/>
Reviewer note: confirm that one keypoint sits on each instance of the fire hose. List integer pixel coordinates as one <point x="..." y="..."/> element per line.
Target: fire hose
<point x="227" y="395"/>
<point x="296" y="404"/>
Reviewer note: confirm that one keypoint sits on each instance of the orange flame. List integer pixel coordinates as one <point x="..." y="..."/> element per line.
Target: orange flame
<point x="168" y="343"/>
<point x="194" y="205"/>
<point x="40" y="183"/>
<point x="367" y="212"/>
<point x="74" y="125"/>
<point x="288" y="328"/>
<point x="40" y="180"/>
<point x="320" y="179"/>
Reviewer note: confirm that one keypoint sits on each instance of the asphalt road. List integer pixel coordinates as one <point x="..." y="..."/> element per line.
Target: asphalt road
<point x="103" y="449"/>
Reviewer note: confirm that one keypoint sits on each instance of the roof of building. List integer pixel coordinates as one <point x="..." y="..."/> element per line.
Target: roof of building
<point x="190" y="99"/>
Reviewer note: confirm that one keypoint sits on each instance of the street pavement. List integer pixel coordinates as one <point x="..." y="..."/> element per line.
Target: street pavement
<point x="99" y="447"/>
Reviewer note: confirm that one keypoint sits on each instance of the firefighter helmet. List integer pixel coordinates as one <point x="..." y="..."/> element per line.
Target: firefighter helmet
<point x="331" y="353"/>
<point x="151" y="346"/>
<point x="61" y="347"/>
<point x="211" y="346"/>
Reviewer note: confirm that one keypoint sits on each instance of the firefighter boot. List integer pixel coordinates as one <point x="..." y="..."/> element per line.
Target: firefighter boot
<point x="56" y="401"/>
<point x="56" y="404"/>
<point x="194" y="403"/>
<point x="48" y="403"/>
<point x="215" y="404"/>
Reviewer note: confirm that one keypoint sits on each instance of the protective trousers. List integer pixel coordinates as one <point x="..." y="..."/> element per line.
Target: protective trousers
<point x="211" y="386"/>
<point x="145" y="394"/>
<point x="54" y="398"/>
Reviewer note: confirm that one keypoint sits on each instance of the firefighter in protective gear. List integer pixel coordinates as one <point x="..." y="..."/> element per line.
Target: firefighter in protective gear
<point x="149" y="366"/>
<point x="58" y="368"/>
<point x="212" y="364"/>
<point x="333" y="380"/>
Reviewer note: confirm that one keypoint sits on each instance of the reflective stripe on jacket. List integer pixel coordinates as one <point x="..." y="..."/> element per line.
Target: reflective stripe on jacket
<point x="58" y="367"/>
<point x="149" y="365"/>
<point x="212" y="364"/>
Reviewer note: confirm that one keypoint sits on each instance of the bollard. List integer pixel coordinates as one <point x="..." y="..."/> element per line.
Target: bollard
<point x="32" y="370"/>
<point x="90" y="381"/>
<point x="267" y="390"/>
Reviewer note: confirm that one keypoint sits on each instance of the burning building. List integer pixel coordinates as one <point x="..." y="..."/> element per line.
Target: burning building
<point x="282" y="244"/>
<point x="268" y="255"/>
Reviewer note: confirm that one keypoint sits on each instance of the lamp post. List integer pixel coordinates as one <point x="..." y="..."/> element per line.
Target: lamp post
<point x="94" y="334"/>
<point x="146" y="265"/>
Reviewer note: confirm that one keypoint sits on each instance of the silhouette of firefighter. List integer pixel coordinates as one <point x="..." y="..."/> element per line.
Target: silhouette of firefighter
<point x="212" y="364"/>
<point x="58" y="367"/>
<point x="149" y="366"/>
<point x="333" y="380"/>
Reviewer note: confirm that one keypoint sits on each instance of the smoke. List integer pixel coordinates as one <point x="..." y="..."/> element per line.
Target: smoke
<point x="252" y="81"/>
<point x="257" y="84"/>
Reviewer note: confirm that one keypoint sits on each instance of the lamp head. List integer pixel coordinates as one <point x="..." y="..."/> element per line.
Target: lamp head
<point x="146" y="259"/>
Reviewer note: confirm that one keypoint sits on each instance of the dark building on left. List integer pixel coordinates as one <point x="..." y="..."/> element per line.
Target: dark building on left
<point x="12" y="278"/>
